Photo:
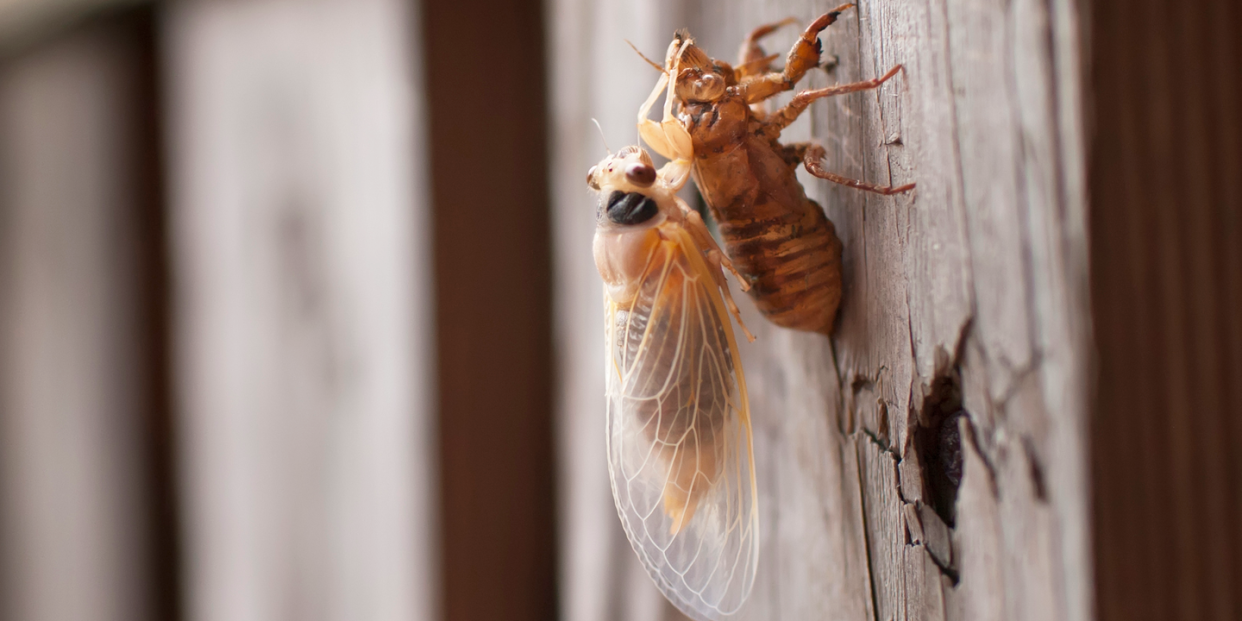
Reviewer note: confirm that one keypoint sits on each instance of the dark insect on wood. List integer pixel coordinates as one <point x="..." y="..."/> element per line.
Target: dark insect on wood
<point x="779" y="239"/>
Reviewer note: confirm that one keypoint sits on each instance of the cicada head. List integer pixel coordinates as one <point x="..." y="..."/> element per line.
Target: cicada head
<point x="634" y="201"/>
<point x="629" y="168"/>
<point x="631" y="190"/>
<point x="699" y="77"/>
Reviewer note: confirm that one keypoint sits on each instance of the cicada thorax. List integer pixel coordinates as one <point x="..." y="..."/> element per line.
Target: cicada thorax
<point x="779" y="239"/>
<point x="677" y="406"/>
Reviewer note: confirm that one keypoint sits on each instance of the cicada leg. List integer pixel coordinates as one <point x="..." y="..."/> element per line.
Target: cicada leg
<point x="718" y="256"/>
<point x="717" y="261"/>
<point x="751" y="59"/>
<point x="793" y="153"/>
<point x="759" y="66"/>
<point x="668" y="137"/>
<point x="791" y="111"/>
<point x="813" y="158"/>
<point x="802" y="57"/>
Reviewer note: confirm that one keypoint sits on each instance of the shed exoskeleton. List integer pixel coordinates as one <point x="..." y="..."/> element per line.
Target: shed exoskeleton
<point x="778" y="239"/>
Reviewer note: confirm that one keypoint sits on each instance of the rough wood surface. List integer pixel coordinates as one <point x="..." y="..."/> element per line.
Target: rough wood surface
<point x="302" y="269"/>
<point x="971" y="289"/>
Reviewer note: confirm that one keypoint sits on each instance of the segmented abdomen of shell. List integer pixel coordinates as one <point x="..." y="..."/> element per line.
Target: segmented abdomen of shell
<point x="779" y="239"/>
<point x="792" y="258"/>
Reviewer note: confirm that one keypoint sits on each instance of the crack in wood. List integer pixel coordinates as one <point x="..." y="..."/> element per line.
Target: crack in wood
<point x="866" y="533"/>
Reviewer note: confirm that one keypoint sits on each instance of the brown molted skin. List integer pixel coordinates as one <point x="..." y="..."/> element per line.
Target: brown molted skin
<point x="778" y="238"/>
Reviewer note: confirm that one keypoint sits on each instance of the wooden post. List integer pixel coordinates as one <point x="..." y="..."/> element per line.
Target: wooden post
<point x="302" y="327"/>
<point x="87" y="517"/>
<point x="1166" y="272"/>
<point x="968" y="294"/>
<point x="489" y="188"/>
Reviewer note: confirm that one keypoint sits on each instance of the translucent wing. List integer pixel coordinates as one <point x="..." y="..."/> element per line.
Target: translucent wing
<point x="679" y="437"/>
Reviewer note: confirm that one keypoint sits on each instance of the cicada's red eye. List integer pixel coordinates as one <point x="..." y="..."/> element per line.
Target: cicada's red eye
<point x="640" y="174"/>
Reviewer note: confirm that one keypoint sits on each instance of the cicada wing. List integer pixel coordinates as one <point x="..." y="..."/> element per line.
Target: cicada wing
<point x="679" y="436"/>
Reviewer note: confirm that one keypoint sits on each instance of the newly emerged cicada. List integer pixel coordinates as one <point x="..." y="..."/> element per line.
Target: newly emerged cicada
<point x="679" y="434"/>
<point x="780" y="240"/>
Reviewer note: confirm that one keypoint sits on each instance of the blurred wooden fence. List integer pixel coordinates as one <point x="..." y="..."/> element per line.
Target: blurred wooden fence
<point x="253" y="172"/>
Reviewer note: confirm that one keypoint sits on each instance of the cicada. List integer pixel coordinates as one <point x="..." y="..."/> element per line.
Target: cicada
<point x="679" y="433"/>
<point x="781" y="241"/>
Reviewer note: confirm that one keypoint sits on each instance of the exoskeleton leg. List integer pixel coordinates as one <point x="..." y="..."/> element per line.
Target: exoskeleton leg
<point x="751" y="59"/>
<point x="788" y="114"/>
<point x="759" y="66"/>
<point x="668" y="137"/>
<point x="813" y="157"/>
<point x="793" y="153"/>
<point x="718" y="261"/>
<point x="802" y="57"/>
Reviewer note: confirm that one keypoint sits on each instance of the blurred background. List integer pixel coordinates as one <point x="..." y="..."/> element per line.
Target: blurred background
<point x="244" y="372"/>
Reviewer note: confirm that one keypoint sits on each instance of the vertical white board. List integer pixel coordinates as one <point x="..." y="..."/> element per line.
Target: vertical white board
<point x="302" y="320"/>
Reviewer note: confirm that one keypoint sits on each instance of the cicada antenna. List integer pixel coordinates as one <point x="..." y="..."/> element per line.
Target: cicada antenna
<point x="642" y="56"/>
<point x="601" y="136"/>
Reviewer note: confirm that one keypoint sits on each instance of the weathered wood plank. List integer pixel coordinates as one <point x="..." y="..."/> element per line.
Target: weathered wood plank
<point x="982" y="584"/>
<point x="924" y="587"/>
<point x="302" y="268"/>
<point x="967" y="290"/>
<point x="885" y="525"/>
<point x="813" y="558"/>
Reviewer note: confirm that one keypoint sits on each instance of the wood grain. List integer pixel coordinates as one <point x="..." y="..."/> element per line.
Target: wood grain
<point x="971" y="290"/>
